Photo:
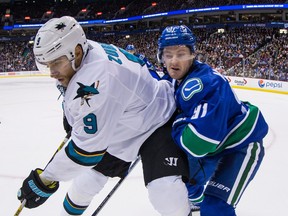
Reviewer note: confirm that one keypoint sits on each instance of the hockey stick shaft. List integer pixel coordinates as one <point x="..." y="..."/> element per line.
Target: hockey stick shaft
<point x="102" y="204"/>
<point x="20" y="208"/>
<point x="60" y="147"/>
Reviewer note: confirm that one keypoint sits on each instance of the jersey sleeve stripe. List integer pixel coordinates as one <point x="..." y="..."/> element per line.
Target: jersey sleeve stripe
<point x="195" y="143"/>
<point x="198" y="145"/>
<point x="82" y="157"/>
<point x="242" y="131"/>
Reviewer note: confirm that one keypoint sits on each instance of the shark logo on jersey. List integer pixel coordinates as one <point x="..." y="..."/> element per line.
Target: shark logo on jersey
<point x="86" y="92"/>
<point x="191" y="87"/>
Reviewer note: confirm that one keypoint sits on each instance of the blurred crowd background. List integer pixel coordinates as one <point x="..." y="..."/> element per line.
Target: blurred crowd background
<point x="255" y="51"/>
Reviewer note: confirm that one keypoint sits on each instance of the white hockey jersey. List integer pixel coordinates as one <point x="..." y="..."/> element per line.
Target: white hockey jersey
<point x="113" y="104"/>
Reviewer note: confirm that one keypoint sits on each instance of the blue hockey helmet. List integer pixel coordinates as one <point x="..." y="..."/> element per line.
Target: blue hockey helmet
<point x="176" y="35"/>
<point x="130" y="47"/>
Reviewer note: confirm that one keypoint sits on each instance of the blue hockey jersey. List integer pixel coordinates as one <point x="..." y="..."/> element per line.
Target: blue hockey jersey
<point x="211" y="118"/>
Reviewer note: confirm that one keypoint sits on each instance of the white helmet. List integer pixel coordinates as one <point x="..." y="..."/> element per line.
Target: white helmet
<point x="59" y="37"/>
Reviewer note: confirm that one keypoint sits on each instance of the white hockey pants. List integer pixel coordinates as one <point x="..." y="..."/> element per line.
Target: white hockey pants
<point x="84" y="188"/>
<point x="169" y="196"/>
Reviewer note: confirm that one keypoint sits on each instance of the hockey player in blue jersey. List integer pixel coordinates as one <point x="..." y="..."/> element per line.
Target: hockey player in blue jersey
<point x="117" y="111"/>
<point x="131" y="49"/>
<point x="221" y="135"/>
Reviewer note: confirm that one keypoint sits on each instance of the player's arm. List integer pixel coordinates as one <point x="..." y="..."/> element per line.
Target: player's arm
<point x="81" y="153"/>
<point x="194" y="135"/>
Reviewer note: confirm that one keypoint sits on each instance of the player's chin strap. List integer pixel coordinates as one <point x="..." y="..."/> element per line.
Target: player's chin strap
<point x="61" y="88"/>
<point x="85" y="53"/>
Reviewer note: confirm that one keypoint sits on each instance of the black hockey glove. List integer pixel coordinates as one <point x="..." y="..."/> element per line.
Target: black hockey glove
<point x="34" y="191"/>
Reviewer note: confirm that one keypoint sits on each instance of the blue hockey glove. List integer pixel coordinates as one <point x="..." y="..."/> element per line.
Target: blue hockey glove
<point x="34" y="191"/>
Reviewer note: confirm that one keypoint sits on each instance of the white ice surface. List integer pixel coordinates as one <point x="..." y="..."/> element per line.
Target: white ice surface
<point x="31" y="131"/>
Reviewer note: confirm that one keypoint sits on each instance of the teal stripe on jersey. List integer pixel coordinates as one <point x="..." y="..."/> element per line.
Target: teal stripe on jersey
<point x="247" y="168"/>
<point x="82" y="157"/>
<point x="71" y="208"/>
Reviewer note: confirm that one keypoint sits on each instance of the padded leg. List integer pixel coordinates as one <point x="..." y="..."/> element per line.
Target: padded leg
<point x="82" y="191"/>
<point x="169" y="196"/>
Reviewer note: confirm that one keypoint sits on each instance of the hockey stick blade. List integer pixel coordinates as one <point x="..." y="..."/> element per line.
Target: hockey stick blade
<point x="102" y="204"/>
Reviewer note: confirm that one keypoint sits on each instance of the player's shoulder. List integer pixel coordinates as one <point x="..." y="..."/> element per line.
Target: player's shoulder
<point x="199" y="82"/>
<point x="201" y="68"/>
<point x="206" y="74"/>
<point x="116" y="57"/>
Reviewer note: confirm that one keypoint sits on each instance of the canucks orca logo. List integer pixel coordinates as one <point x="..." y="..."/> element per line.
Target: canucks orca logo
<point x="86" y="92"/>
<point x="191" y="87"/>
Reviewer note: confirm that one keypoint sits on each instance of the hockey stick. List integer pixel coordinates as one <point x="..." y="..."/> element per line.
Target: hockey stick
<point x="115" y="188"/>
<point x="20" y="208"/>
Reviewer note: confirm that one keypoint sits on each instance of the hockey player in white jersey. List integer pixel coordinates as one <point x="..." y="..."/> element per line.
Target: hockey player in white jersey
<point x="113" y="105"/>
